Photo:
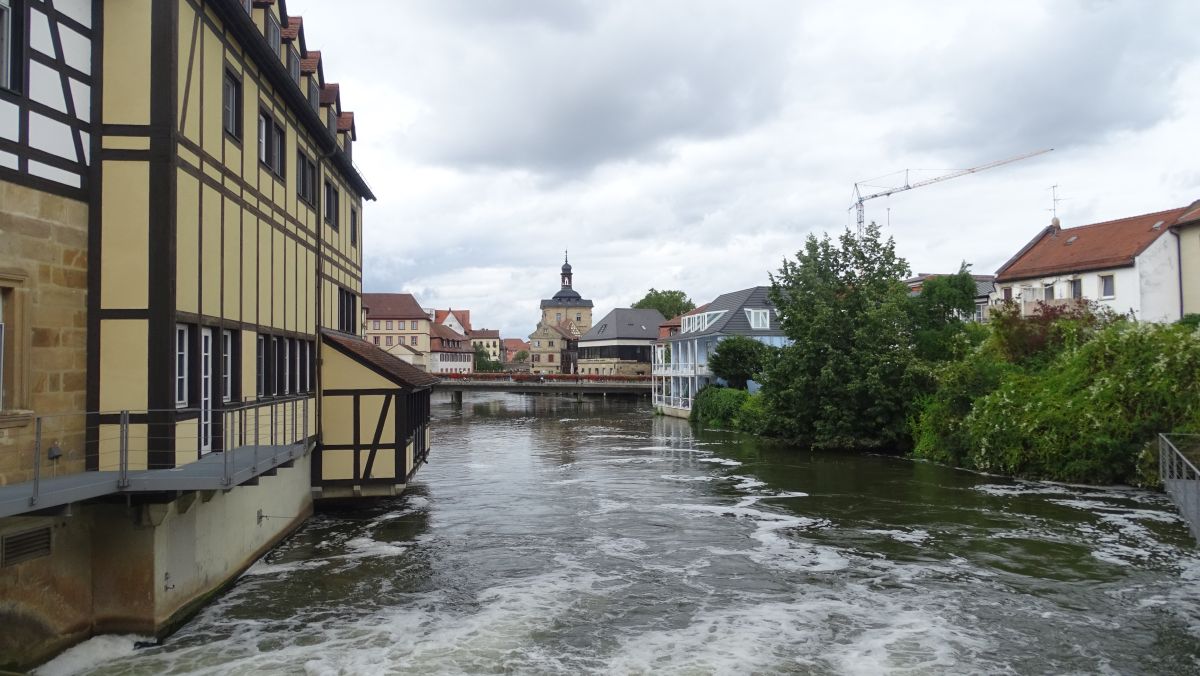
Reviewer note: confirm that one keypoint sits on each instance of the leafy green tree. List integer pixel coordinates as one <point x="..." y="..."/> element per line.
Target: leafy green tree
<point x="484" y="363"/>
<point x="521" y="356"/>
<point x="670" y="303"/>
<point x="738" y="359"/>
<point x="939" y="310"/>
<point x="847" y="380"/>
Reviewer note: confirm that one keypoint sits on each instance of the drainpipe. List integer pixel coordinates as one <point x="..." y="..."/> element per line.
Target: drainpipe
<point x="1179" y="266"/>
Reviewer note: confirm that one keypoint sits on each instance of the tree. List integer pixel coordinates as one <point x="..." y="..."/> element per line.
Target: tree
<point x="847" y="380"/>
<point x="738" y="359"/>
<point x="938" y="312"/>
<point x="521" y="356"/>
<point x="484" y="363"/>
<point x="670" y="303"/>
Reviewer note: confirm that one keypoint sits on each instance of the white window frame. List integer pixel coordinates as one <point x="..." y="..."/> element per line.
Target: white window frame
<point x="287" y="364"/>
<point x="6" y="43"/>
<point x="293" y="64"/>
<point x="226" y="366"/>
<point x="759" y="318"/>
<point x="413" y="326"/>
<point x="296" y="366"/>
<point x="182" y="363"/>
<point x="274" y="33"/>
<point x="1048" y="292"/>
<point x="387" y="324"/>
<point x="1112" y="292"/>
<point x="374" y="324"/>
<point x="261" y="369"/>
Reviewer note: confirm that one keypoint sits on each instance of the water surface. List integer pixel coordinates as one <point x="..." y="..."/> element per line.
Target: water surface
<point x="554" y="536"/>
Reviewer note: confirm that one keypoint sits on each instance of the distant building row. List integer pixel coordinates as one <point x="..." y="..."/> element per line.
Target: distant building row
<point x="437" y="341"/>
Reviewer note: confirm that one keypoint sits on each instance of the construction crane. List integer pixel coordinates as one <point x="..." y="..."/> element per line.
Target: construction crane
<point x="860" y="198"/>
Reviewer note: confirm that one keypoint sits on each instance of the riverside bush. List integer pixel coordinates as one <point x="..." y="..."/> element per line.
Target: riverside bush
<point x="718" y="406"/>
<point x="1086" y="415"/>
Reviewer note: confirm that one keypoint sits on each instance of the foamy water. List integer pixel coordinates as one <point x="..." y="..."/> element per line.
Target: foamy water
<point x="558" y="537"/>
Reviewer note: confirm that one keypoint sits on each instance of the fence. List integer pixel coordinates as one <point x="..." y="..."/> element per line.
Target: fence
<point x="1180" y="477"/>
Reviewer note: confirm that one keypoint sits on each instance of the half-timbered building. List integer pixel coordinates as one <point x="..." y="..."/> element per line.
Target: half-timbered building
<point x="180" y="283"/>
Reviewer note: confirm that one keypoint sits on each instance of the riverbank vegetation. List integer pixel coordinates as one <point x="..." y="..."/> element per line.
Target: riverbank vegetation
<point x="1074" y="393"/>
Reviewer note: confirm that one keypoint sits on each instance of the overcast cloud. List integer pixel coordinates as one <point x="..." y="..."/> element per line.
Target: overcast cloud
<point x="694" y="144"/>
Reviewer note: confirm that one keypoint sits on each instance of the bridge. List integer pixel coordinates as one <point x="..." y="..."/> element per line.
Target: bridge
<point x="551" y="386"/>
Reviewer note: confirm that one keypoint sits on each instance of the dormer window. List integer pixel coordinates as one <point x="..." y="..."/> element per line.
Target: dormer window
<point x="759" y="319"/>
<point x="274" y="39"/>
<point x="314" y="93"/>
<point x="294" y="65"/>
<point x="332" y="121"/>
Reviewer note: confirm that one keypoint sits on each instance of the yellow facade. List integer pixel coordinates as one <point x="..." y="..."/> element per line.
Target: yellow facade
<point x="1189" y="266"/>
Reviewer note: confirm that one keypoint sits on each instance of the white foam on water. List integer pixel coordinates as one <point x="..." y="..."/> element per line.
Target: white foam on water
<point x="914" y="536"/>
<point x="819" y="633"/>
<point x="746" y="483"/>
<point x="678" y="477"/>
<point x="621" y="548"/>
<point x="606" y="506"/>
<point x="721" y="461"/>
<point x="567" y="482"/>
<point x="775" y="549"/>
<point x="92" y="653"/>
<point x="261" y="567"/>
<point x="364" y="546"/>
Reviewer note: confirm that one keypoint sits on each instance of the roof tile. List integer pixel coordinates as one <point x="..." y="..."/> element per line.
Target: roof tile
<point x="391" y="367"/>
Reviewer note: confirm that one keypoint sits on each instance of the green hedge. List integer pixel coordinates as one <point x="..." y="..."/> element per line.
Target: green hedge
<point x="728" y="408"/>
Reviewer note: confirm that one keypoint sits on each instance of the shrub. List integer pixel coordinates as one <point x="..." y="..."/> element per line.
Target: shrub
<point x="718" y="406"/>
<point x="1086" y="416"/>
<point x="936" y="427"/>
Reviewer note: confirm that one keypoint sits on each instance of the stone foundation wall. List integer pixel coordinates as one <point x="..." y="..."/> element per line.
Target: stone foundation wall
<point x="43" y="276"/>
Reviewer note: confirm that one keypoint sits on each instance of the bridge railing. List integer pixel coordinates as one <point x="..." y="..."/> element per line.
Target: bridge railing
<point x="1180" y="476"/>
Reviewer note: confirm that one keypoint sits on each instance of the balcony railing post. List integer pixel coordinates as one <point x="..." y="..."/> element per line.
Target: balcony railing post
<point x="225" y="451"/>
<point x="304" y="440"/>
<point x="123" y="452"/>
<point x="37" y="461"/>
<point x="257" y="415"/>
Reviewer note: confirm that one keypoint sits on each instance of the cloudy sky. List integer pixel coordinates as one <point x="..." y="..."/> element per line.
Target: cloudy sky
<point x="694" y="144"/>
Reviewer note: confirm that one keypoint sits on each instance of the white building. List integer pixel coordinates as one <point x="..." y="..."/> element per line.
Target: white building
<point x="680" y="366"/>
<point x="1130" y="265"/>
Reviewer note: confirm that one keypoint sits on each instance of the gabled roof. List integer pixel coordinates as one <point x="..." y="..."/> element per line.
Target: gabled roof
<point x="373" y="357"/>
<point x="626" y="323"/>
<point x="1110" y="244"/>
<point x="345" y="123"/>
<point x="463" y="316"/>
<point x="392" y="306"/>
<point x="445" y="332"/>
<point x="479" y="334"/>
<point x="309" y="63"/>
<point x="515" y="344"/>
<point x="1191" y="216"/>
<point x="733" y="320"/>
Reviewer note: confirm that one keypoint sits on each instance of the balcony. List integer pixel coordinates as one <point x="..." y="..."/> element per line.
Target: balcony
<point x="258" y="437"/>
<point x="684" y="403"/>
<point x="679" y="368"/>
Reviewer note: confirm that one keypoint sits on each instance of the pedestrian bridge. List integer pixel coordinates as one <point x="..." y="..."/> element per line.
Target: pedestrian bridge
<point x="548" y="386"/>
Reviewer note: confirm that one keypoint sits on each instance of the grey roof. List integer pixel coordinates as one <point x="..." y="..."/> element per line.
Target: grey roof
<point x="984" y="287"/>
<point x="626" y="323"/>
<point x="735" y="321"/>
<point x="568" y="297"/>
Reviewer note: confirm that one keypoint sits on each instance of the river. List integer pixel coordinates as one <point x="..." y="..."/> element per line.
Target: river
<point x="551" y="536"/>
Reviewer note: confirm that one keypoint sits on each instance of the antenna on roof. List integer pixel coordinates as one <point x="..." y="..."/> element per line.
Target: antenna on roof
<point x="1054" y="200"/>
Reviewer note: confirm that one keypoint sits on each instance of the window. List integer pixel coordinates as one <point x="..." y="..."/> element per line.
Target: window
<point x="231" y="105"/>
<point x="412" y="325"/>
<point x="293" y="64"/>
<point x="332" y="118"/>
<point x="297" y="376"/>
<point x="273" y="36"/>
<point x="347" y="311"/>
<point x="248" y="5"/>
<point x="285" y="364"/>
<point x="181" y="365"/>
<point x="1107" y="286"/>
<point x="412" y="340"/>
<point x="1008" y="293"/>
<point x="7" y="52"/>
<point x="1077" y="288"/>
<point x="376" y="340"/>
<point x="261" y="367"/>
<point x="759" y="319"/>
<point x="331" y="205"/>
<point x="306" y="178"/>
<point x="550" y="358"/>
<point x="388" y="324"/>
<point x="7" y="348"/>
<point x="387" y="341"/>
<point x="227" y="366"/>
<point x="354" y="228"/>
<point x="980" y="312"/>
<point x="375" y="324"/>
<point x="314" y="93"/>
<point x="558" y="316"/>
<point x="578" y="316"/>
<point x="1048" y="292"/>
<point x="550" y="343"/>
<point x="270" y="143"/>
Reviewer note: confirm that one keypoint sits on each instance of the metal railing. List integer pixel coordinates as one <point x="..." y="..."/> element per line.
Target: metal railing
<point x="678" y="367"/>
<point x="1181" y="478"/>
<point x="672" y="401"/>
<point x="248" y="438"/>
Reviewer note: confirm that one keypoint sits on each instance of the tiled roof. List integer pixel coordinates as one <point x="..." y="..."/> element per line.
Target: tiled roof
<point x="329" y="93"/>
<point x="308" y="64"/>
<point x="440" y="333"/>
<point x="1191" y="216"/>
<point x="292" y="30"/>
<point x="392" y="306"/>
<point x="346" y="121"/>
<point x="626" y="323"/>
<point x="1111" y="244"/>
<point x="485" y="333"/>
<point x="374" y="358"/>
<point x="515" y="344"/>
<point x="464" y="317"/>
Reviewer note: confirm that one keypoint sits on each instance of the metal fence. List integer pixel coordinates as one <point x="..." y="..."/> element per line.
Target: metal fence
<point x="226" y="445"/>
<point x="1180" y="477"/>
